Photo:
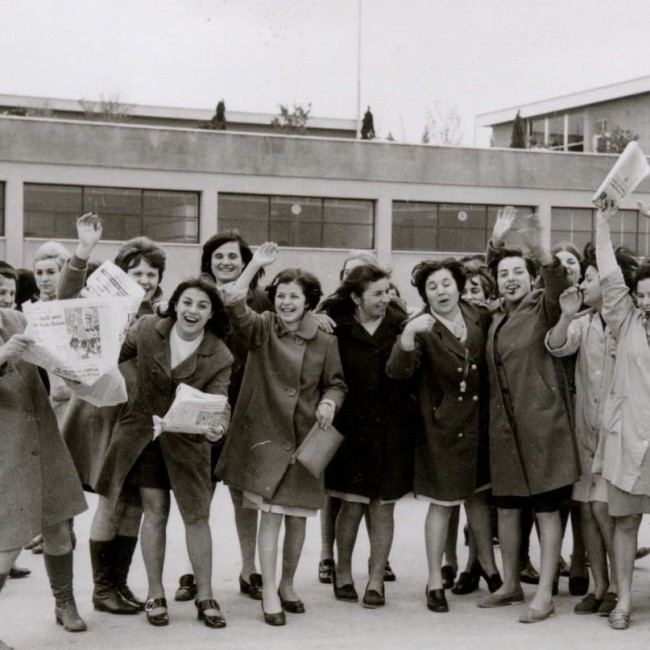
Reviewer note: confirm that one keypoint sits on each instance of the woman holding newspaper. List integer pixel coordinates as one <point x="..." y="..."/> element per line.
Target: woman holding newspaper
<point x="186" y="346"/>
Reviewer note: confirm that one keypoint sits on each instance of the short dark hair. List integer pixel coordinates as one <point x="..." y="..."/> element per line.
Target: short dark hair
<point x="476" y="268"/>
<point x="217" y="241"/>
<point x="135" y="250"/>
<point x="26" y="287"/>
<point x="503" y="253"/>
<point x="218" y="323"/>
<point x="356" y="282"/>
<point x="309" y="283"/>
<point x="8" y="271"/>
<point x="422" y="271"/>
<point x="625" y="257"/>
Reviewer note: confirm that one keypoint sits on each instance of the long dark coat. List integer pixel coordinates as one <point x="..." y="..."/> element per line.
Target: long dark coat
<point x="187" y="457"/>
<point x="86" y="428"/>
<point x="38" y="484"/>
<point x="287" y="375"/>
<point x="377" y="417"/>
<point x="451" y="449"/>
<point x="532" y="442"/>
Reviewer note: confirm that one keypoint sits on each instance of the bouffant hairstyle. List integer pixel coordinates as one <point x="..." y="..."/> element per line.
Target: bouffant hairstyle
<point x="421" y="272"/>
<point x="503" y="253"/>
<point x="52" y="250"/>
<point x="626" y="259"/>
<point x="308" y="282"/>
<point x="26" y="287"/>
<point x="356" y="282"/>
<point x="217" y="241"/>
<point x="365" y="256"/>
<point x="476" y="268"/>
<point x="218" y="323"/>
<point x="8" y="271"/>
<point x="141" y="248"/>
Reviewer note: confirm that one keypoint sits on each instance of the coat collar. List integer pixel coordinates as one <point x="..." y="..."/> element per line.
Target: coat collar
<point x="472" y="322"/>
<point x="388" y="328"/>
<point x="307" y="330"/>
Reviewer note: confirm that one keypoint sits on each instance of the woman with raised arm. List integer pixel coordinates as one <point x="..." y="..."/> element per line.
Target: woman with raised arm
<point x="443" y="348"/>
<point x="533" y="458"/>
<point x="626" y="413"/>
<point x="293" y="381"/>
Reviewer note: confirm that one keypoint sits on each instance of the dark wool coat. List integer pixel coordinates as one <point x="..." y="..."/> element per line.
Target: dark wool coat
<point x="38" y="484"/>
<point x="451" y="449"/>
<point x="86" y="428"/>
<point x="287" y="375"/>
<point x="187" y="457"/>
<point x="377" y="417"/>
<point x="532" y="443"/>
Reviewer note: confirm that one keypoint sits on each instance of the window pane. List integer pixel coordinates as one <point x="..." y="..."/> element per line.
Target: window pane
<point x="171" y="216"/>
<point x="348" y="211"/>
<point x="459" y="240"/>
<point x="2" y="209"/>
<point x="462" y="228"/>
<point x="348" y="223"/>
<point x="577" y="238"/>
<point x="247" y="213"/>
<point x="455" y="215"/>
<point x="624" y="228"/>
<point x="287" y="208"/>
<point x="51" y="211"/>
<point x="296" y="233"/>
<point x="643" y="243"/>
<point x="119" y="209"/>
<point x="556" y="132"/>
<point x="576" y="132"/>
<point x="415" y="226"/>
<point x="337" y="235"/>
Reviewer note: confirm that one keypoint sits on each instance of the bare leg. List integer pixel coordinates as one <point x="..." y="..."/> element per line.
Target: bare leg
<point x="246" y="524"/>
<point x="381" y="521"/>
<point x="478" y="516"/>
<point x="130" y="516"/>
<point x="328" y="517"/>
<point x="435" y="536"/>
<point x="7" y="559"/>
<point x="510" y="542"/>
<point x="596" y="549"/>
<point x="347" y="528"/>
<point x="199" y="547"/>
<point x="294" y="538"/>
<point x="625" y="542"/>
<point x="451" y="558"/>
<point x="153" y="538"/>
<point x="550" y="540"/>
<point x="105" y="522"/>
<point x="269" y="531"/>
<point x="579" y="552"/>
<point x="607" y="526"/>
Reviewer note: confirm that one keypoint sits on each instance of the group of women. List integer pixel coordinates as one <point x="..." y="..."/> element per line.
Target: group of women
<point x="500" y="392"/>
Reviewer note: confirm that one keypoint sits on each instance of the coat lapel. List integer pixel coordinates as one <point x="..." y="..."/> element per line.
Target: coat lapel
<point x="161" y="353"/>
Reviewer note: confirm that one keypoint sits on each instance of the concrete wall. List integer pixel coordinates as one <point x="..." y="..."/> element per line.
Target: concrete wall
<point x="82" y="153"/>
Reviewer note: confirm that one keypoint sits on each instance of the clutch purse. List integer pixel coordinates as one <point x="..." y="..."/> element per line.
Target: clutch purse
<point x="317" y="449"/>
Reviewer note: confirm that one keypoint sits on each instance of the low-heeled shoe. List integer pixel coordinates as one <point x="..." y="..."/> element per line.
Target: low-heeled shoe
<point x="158" y="620"/>
<point x="588" y="605"/>
<point x="325" y="568"/>
<point x="448" y="576"/>
<point x="500" y="600"/>
<point x="186" y="588"/>
<point x="275" y="618"/>
<point x="610" y="599"/>
<point x="214" y="621"/>
<point x="17" y="572"/>
<point x="292" y="606"/>
<point x="528" y="574"/>
<point x="389" y="574"/>
<point x="373" y="599"/>
<point x="344" y="592"/>
<point x="578" y="585"/>
<point x="466" y="584"/>
<point x="252" y="588"/>
<point x="532" y="615"/>
<point x="436" y="600"/>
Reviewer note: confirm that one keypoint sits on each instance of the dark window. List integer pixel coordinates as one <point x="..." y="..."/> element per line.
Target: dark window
<point x="307" y="222"/>
<point x="2" y="209"/>
<point x="165" y="216"/>
<point x="447" y="227"/>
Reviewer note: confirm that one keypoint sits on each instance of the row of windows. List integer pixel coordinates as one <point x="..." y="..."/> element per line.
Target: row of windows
<point x="309" y="222"/>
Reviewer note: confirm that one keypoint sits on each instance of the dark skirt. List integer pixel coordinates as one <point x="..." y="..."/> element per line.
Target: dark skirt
<point x="150" y="469"/>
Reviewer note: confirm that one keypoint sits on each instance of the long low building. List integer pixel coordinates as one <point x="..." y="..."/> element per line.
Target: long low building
<point x="317" y="197"/>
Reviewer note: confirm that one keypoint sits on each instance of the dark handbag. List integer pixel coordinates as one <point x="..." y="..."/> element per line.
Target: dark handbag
<point x="317" y="449"/>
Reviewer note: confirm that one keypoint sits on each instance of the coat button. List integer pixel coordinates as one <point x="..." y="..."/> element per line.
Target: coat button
<point x="460" y="398"/>
<point x="35" y="452"/>
<point x="287" y="446"/>
<point x="299" y="341"/>
<point x="291" y="392"/>
<point x="460" y="435"/>
<point x="475" y="398"/>
<point x="460" y="369"/>
<point x="473" y="366"/>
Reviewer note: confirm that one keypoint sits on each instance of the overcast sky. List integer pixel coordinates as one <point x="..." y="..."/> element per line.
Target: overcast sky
<point x="478" y="55"/>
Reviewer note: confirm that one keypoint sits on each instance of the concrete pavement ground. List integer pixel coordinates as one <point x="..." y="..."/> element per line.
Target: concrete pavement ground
<point x="27" y="608"/>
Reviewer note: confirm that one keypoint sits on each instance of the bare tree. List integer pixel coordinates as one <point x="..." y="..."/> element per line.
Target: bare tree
<point x="443" y="125"/>
<point x="107" y="109"/>
<point x="292" y="120"/>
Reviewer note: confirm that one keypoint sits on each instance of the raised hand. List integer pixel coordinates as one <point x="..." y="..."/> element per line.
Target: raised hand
<point x="644" y="208"/>
<point x="89" y="232"/>
<point x="532" y="232"/>
<point x="604" y="216"/>
<point x="570" y="301"/>
<point x="265" y="254"/>
<point x="503" y="225"/>
<point x="421" y="323"/>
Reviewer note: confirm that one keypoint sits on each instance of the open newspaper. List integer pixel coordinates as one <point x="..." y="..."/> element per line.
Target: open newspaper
<point x="626" y="174"/>
<point x="80" y="339"/>
<point x="192" y="412"/>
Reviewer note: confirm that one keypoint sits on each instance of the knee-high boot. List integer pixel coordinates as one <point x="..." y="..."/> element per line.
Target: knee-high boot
<point x="106" y="597"/>
<point x="59" y="571"/>
<point x="124" y="547"/>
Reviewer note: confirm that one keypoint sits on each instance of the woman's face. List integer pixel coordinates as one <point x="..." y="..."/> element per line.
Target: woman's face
<point x="474" y="291"/>
<point x="373" y="302"/>
<point x="592" y="295"/>
<point x="147" y="276"/>
<point x="47" y="274"/>
<point x="193" y="311"/>
<point x="572" y="265"/>
<point x="643" y="295"/>
<point x="513" y="280"/>
<point x="442" y="292"/>
<point x="227" y="263"/>
<point x="289" y="303"/>
<point x="7" y="292"/>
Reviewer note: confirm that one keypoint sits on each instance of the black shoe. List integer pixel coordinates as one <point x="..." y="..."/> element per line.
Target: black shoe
<point x="66" y="614"/>
<point x="292" y="606"/>
<point x="123" y="550"/>
<point x="467" y="583"/>
<point x="372" y="599"/>
<point x="448" y="576"/>
<point x="186" y="588"/>
<point x="214" y="621"/>
<point x="493" y="581"/>
<point x="578" y="585"/>
<point x="17" y="572"/>
<point x="106" y="598"/>
<point x="389" y="575"/>
<point x="344" y="592"/>
<point x="161" y="618"/>
<point x="325" y="568"/>
<point x="276" y="618"/>
<point x="528" y="573"/>
<point x="436" y="600"/>
<point x="253" y="588"/>
<point x="59" y="573"/>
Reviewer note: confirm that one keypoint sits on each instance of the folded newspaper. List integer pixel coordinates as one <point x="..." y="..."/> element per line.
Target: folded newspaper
<point x="192" y="412"/>
<point x="80" y="339"/>
<point x="626" y="174"/>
